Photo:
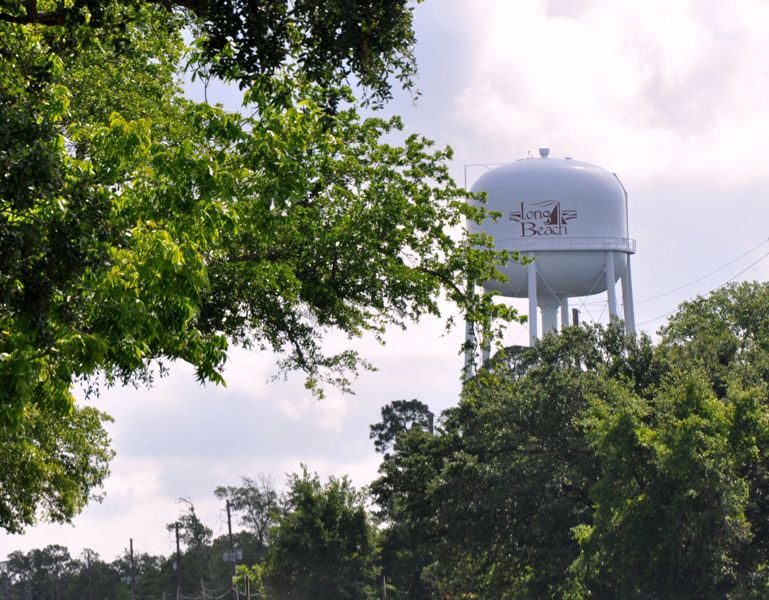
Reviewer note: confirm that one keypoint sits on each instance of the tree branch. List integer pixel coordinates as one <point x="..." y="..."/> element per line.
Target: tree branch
<point x="32" y="9"/>
<point x="59" y="17"/>
<point x="199" y="7"/>
<point x="443" y="279"/>
<point x="579" y="494"/>
<point x="32" y="16"/>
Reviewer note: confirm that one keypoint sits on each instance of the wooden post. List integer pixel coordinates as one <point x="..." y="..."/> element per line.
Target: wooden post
<point x="178" y="564"/>
<point x="232" y="550"/>
<point x="133" y="578"/>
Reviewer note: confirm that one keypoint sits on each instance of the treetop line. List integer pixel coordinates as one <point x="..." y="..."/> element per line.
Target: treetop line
<point x="592" y="461"/>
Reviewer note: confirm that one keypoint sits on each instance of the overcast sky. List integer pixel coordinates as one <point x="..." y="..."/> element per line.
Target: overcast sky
<point x="671" y="95"/>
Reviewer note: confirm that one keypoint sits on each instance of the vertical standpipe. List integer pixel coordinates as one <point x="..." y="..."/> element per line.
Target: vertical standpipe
<point x="564" y="312"/>
<point x="549" y="306"/>
<point x="485" y="352"/>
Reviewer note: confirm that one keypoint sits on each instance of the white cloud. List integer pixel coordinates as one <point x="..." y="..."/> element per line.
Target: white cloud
<point x="656" y="87"/>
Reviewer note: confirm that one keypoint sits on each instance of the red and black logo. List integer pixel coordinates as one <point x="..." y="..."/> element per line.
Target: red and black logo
<point x="543" y="218"/>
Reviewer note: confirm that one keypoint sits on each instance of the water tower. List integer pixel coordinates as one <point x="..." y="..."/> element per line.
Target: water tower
<point x="569" y="216"/>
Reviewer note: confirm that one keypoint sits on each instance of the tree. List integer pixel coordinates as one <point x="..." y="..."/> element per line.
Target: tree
<point x="257" y="502"/>
<point x="596" y="465"/>
<point x="371" y="40"/>
<point x="55" y="220"/>
<point x="52" y="464"/>
<point x="53" y="225"/>
<point x="41" y="573"/>
<point x="138" y="228"/>
<point x="193" y="533"/>
<point x="91" y="578"/>
<point x="406" y="544"/>
<point x="407" y="541"/>
<point x="50" y="573"/>
<point x="669" y="501"/>
<point x="196" y="539"/>
<point x="322" y="547"/>
<point x="397" y="417"/>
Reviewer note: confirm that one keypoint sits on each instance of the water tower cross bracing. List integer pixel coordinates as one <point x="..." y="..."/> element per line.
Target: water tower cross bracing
<point x="570" y="217"/>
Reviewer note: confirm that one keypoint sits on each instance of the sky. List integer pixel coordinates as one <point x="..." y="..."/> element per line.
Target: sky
<point x="671" y="95"/>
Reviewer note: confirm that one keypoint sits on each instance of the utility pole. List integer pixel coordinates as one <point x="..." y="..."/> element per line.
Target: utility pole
<point x="133" y="579"/>
<point x="178" y="564"/>
<point x="232" y="550"/>
<point x="88" y="571"/>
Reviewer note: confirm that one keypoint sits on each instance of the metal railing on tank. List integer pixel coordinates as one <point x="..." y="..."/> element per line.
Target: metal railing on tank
<point x="618" y="244"/>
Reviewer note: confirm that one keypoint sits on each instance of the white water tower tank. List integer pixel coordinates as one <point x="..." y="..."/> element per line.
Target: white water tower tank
<point x="571" y="218"/>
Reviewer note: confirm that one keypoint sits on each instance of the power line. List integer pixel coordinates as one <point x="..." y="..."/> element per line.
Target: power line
<point x="663" y="315"/>
<point x="754" y="263"/>
<point x="750" y="266"/>
<point x="693" y="281"/>
<point x="713" y="272"/>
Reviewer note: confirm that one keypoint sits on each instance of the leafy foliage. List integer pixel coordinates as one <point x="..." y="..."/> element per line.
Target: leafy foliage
<point x="322" y="546"/>
<point x="138" y="228"/>
<point x="595" y="465"/>
<point x="330" y="40"/>
<point x="164" y="236"/>
<point x="52" y="465"/>
<point x="192" y="532"/>
<point x="407" y="543"/>
<point x="256" y="501"/>
<point x="397" y="417"/>
<point x="371" y="40"/>
<point x="51" y="573"/>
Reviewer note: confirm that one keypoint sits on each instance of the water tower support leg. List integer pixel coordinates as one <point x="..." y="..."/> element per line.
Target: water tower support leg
<point x="627" y="299"/>
<point x="564" y="312"/>
<point x="549" y="309"/>
<point x="532" y="273"/>
<point x="611" y="288"/>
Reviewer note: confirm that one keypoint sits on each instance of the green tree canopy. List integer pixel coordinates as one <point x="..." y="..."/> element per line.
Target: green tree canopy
<point x="193" y="533"/>
<point x="167" y="231"/>
<point x="257" y="503"/>
<point x="51" y="465"/>
<point x="397" y="417"/>
<point x="328" y="40"/>
<point x="322" y="547"/>
<point x="138" y="228"/>
<point x="596" y="465"/>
